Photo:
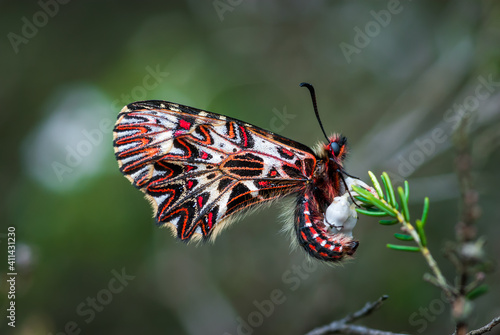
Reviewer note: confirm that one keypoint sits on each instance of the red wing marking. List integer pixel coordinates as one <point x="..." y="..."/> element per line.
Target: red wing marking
<point x="210" y="220"/>
<point x="184" y="124"/>
<point x="245" y="138"/>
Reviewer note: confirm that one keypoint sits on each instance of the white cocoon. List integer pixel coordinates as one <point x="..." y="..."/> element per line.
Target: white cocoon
<point x="341" y="215"/>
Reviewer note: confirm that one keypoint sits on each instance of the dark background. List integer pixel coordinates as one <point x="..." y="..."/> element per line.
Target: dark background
<point x="79" y="222"/>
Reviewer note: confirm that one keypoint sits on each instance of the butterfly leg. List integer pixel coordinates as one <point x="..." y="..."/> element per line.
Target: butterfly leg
<point x="312" y="234"/>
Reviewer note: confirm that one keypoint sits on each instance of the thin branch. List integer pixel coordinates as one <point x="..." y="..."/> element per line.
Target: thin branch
<point x="342" y="326"/>
<point x="369" y="308"/>
<point x="431" y="279"/>
<point x="486" y="328"/>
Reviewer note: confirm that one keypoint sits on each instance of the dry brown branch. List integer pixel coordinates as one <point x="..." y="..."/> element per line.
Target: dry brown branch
<point x="484" y="329"/>
<point x="342" y="326"/>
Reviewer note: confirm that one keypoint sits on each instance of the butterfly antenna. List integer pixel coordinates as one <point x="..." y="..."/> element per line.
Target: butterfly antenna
<point x="315" y="105"/>
<point x="350" y="175"/>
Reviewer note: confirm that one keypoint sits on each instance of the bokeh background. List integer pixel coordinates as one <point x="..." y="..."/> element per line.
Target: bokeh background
<point x="390" y="75"/>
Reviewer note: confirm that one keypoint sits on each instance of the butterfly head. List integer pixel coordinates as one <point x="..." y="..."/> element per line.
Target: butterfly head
<point x="336" y="149"/>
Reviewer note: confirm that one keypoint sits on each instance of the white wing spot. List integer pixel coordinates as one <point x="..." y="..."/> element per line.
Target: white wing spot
<point x="175" y="221"/>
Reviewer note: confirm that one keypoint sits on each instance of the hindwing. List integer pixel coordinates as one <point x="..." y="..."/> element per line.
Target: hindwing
<point x="198" y="168"/>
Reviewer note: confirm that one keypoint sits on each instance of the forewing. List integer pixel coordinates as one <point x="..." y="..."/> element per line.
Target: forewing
<point x="198" y="168"/>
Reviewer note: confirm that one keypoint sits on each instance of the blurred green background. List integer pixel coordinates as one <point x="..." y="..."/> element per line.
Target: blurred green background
<point x="390" y="75"/>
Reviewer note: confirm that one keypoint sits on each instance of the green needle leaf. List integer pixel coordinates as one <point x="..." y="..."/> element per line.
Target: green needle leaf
<point x="370" y="212"/>
<point x="386" y="196"/>
<point x="407" y="190"/>
<point x="421" y="233"/>
<point x="390" y="189"/>
<point x="375" y="202"/>
<point x="376" y="185"/>
<point x="364" y="193"/>
<point x="384" y="207"/>
<point x="425" y="211"/>
<point x="403" y="247"/>
<point x="404" y="204"/>
<point x="403" y="237"/>
<point x="362" y="199"/>
<point x="388" y="222"/>
<point x="478" y="291"/>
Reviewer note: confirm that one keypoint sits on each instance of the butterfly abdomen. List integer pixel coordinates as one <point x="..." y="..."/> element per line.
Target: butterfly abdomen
<point x="312" y="234"/>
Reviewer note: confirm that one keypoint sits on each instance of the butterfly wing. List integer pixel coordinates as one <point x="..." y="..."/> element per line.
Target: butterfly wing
<point x="198" y="169"/>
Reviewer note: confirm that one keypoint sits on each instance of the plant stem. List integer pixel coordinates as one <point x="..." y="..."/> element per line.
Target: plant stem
<point x="440" y="280"/>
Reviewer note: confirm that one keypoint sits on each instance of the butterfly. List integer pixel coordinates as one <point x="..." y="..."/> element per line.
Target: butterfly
<point x="201" y="170"/>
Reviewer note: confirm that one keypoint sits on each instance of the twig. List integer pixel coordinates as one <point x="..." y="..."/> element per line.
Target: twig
<point x="486" y="328"/>
<point x="342" y="326"/>
<point x="438" y="278"/>
<point x="431" y="279"/>
<point x="369" y="308"/>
